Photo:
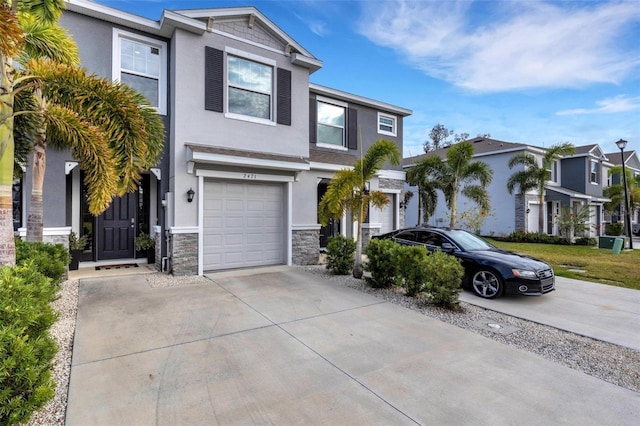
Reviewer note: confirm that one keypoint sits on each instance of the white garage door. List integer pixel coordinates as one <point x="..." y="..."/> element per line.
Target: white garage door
<point x="386" y="215"/>
<point x="243" y="224"/>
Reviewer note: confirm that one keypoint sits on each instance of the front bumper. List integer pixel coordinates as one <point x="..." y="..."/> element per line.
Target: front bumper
<point x="530" y="287"/>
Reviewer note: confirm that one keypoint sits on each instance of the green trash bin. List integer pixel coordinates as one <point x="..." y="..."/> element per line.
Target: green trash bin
<point x="617" y="245"/>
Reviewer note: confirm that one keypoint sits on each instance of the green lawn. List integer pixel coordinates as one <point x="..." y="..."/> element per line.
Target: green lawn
<point x="599" y="265"/>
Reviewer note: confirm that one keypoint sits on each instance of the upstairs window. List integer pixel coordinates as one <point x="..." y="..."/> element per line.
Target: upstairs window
<point x="250" y="86"/>
<point x="553" y="172"/>
<point x="140" y="63"/>
<point x="595" y="175"/>
<point x="331" y="124"/>
<point x="387" y="124"/>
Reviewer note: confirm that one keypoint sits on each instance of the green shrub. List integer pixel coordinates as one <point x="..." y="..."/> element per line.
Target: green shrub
<point x="49" y="259"/>
<point x="535" y="237"/>
<point x="381" y="262"/>
<point x="412" y="269"/>
<point x="340" y="255"/>
<point x="444" y="279"/>
<point x="585" y="241"/>
<point x="614" y="229"/>
<point x="26" y="348"/>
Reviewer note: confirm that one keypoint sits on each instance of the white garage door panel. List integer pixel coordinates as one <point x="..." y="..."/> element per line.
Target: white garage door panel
<point x="386" y="215"/>
<point x="243" y="224"/>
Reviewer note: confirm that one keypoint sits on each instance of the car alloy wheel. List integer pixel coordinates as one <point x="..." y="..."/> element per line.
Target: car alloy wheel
<point x="486" y="284"/>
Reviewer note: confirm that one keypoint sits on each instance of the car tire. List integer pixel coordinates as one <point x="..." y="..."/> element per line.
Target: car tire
<point x="487" y="284"/>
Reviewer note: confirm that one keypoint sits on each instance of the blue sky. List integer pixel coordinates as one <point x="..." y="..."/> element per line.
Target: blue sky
<point x="528" y="71"/>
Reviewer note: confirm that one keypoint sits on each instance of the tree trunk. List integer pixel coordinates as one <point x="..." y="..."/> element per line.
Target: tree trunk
<point x="541" y="214"/>
<point x="7" y="243"/>
<point x="35" y="217"/>
<point x="454" y="210"/>
<point x="357" y="263"/>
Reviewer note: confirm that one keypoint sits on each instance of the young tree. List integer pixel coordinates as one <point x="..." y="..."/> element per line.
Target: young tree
<point x="455" y="175"/>
<point x="348" y="191"/>
<point x="439" y="136"/>
<point x="535" y="176"/>
<point x="427" y="193"/>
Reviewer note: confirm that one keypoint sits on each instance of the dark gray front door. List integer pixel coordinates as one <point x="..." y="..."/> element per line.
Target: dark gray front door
<point x="116" y="228"/>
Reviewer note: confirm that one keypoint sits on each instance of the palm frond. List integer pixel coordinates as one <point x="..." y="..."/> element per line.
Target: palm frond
<point x="47" y="11"/>
<point x="91" y="148"/>
<point x="523" y="158"/>
<point x="134" y="130"/>
<point x="47" y="40"/>
<point x="377" y="154"/>
<point x="11" y="34"/>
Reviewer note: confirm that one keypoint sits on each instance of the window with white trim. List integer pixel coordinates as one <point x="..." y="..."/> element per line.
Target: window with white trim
<point x="250" y="88"/>
<point x="594" y="172"/>
<point x="331" y="124"/>
<point x="387" y="124"/>
<point x="553" y="171"/>
<point x="140" y="63"/>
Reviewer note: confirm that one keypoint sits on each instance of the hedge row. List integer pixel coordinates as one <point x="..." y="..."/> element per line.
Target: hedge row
<point x="26" y="316"/>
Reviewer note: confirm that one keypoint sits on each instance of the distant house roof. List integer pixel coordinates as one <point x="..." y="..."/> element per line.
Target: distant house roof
<point x="481" y="146"/>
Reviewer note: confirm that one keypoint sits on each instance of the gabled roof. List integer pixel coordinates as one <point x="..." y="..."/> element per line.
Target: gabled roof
<point x="591" y="151"/>
<point x="198" y="21"/>
<point x="349" y="97"/>
<point x="631" y="159"/>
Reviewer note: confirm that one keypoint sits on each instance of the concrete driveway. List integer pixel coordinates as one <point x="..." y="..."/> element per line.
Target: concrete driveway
<point x="282" y="346"/>
<point x="607" y="313"/>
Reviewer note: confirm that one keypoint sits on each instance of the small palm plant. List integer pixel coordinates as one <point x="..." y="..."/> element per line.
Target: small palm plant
<point x="348" y="191"/>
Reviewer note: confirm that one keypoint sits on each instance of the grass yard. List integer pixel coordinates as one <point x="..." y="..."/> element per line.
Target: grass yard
<point x="599" y="265"/>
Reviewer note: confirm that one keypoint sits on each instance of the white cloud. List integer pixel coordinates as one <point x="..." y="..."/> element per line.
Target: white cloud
<point x="502" y="46"/>
<point x="616" y="104"/>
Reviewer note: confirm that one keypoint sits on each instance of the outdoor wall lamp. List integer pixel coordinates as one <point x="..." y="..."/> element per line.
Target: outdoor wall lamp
<point x="190" y="194"/>
<point x="622" y="144"/>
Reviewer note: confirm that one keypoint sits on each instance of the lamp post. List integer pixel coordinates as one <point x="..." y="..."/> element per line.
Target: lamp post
<point x="622" y="144"/>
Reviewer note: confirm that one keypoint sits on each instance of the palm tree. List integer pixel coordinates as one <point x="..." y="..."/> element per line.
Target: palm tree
<point x="348" y="191"/>
<point x="427" y="193"/>
<point x="109" y="128"/>
<point x="453" y="175"/>
<point x="535" y="176"/>
<point x="13" y="39"/>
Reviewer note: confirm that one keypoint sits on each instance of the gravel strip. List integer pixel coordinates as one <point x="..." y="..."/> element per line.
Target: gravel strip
<point x="606" y="361"/>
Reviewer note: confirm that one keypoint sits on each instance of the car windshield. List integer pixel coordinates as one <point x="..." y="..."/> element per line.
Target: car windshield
<point x="469" y="241"/>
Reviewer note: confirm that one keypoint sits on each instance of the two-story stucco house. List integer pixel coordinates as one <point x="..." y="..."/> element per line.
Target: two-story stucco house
<point x="250" y="145"/>
<point x="576" y="180"/>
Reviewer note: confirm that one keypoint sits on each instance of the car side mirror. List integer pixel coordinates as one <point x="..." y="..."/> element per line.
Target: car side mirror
<point x="447" y="247"/>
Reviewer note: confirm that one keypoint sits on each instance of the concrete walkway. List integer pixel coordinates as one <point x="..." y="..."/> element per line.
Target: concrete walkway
<point x="603" y="312"/>
<point x="281" y="346"/>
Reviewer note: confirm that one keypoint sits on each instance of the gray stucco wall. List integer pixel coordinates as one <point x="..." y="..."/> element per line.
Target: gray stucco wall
<point x="199" y="126"/>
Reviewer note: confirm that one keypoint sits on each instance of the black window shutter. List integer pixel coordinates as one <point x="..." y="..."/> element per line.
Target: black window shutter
<point x="313" y="120"/>
<point x="352" y="128"/>
<point x="284" y="96"/>
<point x="213" y="79"/>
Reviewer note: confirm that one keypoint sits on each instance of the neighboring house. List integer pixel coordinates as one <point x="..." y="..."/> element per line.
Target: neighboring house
<point x="576" y="181"/>
<point x="632" y="164"/>
<point x="250" y="142"/>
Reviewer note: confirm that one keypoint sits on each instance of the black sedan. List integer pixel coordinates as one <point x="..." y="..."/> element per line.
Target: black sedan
<point x="489" y="271"/>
